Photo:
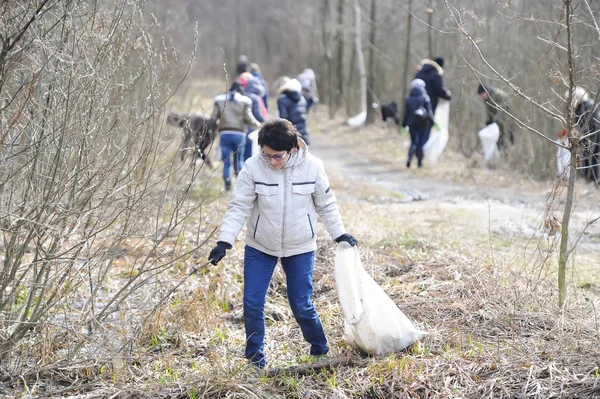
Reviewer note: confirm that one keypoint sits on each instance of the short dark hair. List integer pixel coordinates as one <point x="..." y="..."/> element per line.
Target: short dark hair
<point x="279" y="134"/>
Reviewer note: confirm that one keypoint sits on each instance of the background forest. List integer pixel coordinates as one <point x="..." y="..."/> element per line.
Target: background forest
<point x="104" y="230"/>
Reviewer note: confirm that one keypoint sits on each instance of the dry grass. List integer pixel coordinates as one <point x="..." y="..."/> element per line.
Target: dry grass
<point x="495" y="329"/>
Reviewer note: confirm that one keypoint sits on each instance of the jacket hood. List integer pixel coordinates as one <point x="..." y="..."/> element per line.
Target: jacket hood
<point x="292" y="85"/>
<point x="416" y="92"/>
<point x="292" y="95"/>
<point x="430" y="65"/>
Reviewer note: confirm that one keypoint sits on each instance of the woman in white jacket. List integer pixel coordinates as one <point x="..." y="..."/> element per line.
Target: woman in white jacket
<point x="279" y="193"/>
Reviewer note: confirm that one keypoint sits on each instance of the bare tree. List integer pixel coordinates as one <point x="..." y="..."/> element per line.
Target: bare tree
<point x="360" y="59"/>
<point x="407" y="55"/>
<point x="372" y="63"/>
<point x="339" y="76"/>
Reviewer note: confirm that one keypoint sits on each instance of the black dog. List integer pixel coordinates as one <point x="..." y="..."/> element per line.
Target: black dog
<point x="390" y="110"/>
<point x="195" y="127"/>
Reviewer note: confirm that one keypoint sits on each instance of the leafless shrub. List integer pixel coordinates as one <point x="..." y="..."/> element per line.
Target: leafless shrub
<point x="88" y="185"/>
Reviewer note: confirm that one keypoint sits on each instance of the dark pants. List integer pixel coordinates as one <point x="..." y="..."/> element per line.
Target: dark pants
<point x="258" y="269"/>
<point x="418" y="138"/>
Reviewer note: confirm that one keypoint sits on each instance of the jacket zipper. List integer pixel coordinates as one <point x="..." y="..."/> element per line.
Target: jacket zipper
<point x="256" y="226"/>
<point x="284" y="211"/>
<point x="310" y="224"/>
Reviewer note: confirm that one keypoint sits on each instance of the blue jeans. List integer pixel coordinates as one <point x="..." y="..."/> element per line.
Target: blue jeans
<point x="258" y="269"/>
<point x="232" y="142"/>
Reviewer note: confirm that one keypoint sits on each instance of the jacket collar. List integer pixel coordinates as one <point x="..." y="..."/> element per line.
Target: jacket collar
<point x="296" y="158"/>
<point x="433" y="64"/>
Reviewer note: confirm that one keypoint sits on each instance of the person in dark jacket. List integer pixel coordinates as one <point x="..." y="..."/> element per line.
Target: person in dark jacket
<point x="496" y="107"/>
<point x="431" y="73"/>
<point x="292" y="106"/>
<point x="254" y="69"/>
<point x="587" y="121"/>
<point x="253" y="89"/>
<point x="418" y="117"/>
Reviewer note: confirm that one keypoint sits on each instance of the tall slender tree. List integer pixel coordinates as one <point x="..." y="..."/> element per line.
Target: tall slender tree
<point x="372" y="62"/>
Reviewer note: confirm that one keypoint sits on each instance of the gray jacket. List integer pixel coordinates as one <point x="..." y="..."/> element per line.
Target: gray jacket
<point x="234" y="114"/>
<point x="280" y="206"/>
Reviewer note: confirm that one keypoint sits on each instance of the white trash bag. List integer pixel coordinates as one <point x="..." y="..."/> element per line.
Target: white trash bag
<point x="253" y="136"/>
<point x="489" y="140"/>
<point x="438" y="139"/>
<point x="372" y="321"/>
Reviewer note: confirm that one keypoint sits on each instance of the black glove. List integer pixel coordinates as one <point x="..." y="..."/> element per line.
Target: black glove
<point x="218" y="252"/>
<point x="348" y="238"/>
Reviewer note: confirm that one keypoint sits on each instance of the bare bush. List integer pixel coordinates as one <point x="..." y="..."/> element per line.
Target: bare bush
<point x="86" y="179"/>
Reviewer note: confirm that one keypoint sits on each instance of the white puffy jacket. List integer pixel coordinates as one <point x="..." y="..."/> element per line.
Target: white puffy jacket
<point x="281" y="205"/>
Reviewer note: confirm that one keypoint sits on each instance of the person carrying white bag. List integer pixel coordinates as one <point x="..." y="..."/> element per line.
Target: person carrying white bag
<point x="372" y="321"/>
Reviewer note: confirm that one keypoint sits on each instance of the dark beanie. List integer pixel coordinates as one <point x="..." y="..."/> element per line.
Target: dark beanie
<point x="439" y="61"/>
<point x="481" y="89"/>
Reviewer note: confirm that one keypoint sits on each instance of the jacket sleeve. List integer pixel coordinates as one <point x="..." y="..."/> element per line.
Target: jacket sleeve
<point x="326" y="205"/>
<point x="442" y="91"/>
<point x="256" y="109"/>
<point x="427" y="105"/>
<point x="283" y="113"/>
<point x="249" y="119"/>
<point x="239" y="207"/>
<point x="405" y="116"/>
<point x="216" y="113"/>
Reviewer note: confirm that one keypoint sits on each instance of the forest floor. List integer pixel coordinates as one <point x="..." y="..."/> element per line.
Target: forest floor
<point x="460" y="248"/>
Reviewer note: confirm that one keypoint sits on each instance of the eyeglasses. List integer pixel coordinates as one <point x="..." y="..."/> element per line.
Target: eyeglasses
<point x="277" y="157"/>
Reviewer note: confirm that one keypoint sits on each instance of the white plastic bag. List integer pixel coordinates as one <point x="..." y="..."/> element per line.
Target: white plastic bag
<point x="489" y="140"/>
<point x="372" y="321"/>
<point x="438" y="138"/>
<point x="253" y="136"/>
<point x="563" y="159"/>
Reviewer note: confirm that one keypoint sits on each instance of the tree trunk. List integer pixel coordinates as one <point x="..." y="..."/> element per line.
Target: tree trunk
<point x="406" y="56"/>
<point x="360" y="58"/>
<point x="329" y="85"/>
<point x="340" y="55"/>
<point x="371" y="80"/>
<point x="350" y="84"/>
<point x="430" y="48"/>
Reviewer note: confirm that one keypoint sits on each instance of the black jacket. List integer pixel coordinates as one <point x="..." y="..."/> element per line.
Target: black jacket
<point x="432" y="76"/>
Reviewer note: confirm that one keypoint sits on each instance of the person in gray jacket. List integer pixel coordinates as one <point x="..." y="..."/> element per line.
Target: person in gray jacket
<point x="279" y="194"/>
<point x="233" y="112"/>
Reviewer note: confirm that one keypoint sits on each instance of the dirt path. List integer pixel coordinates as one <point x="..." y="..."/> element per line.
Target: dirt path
<point x="481" y="206"/>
